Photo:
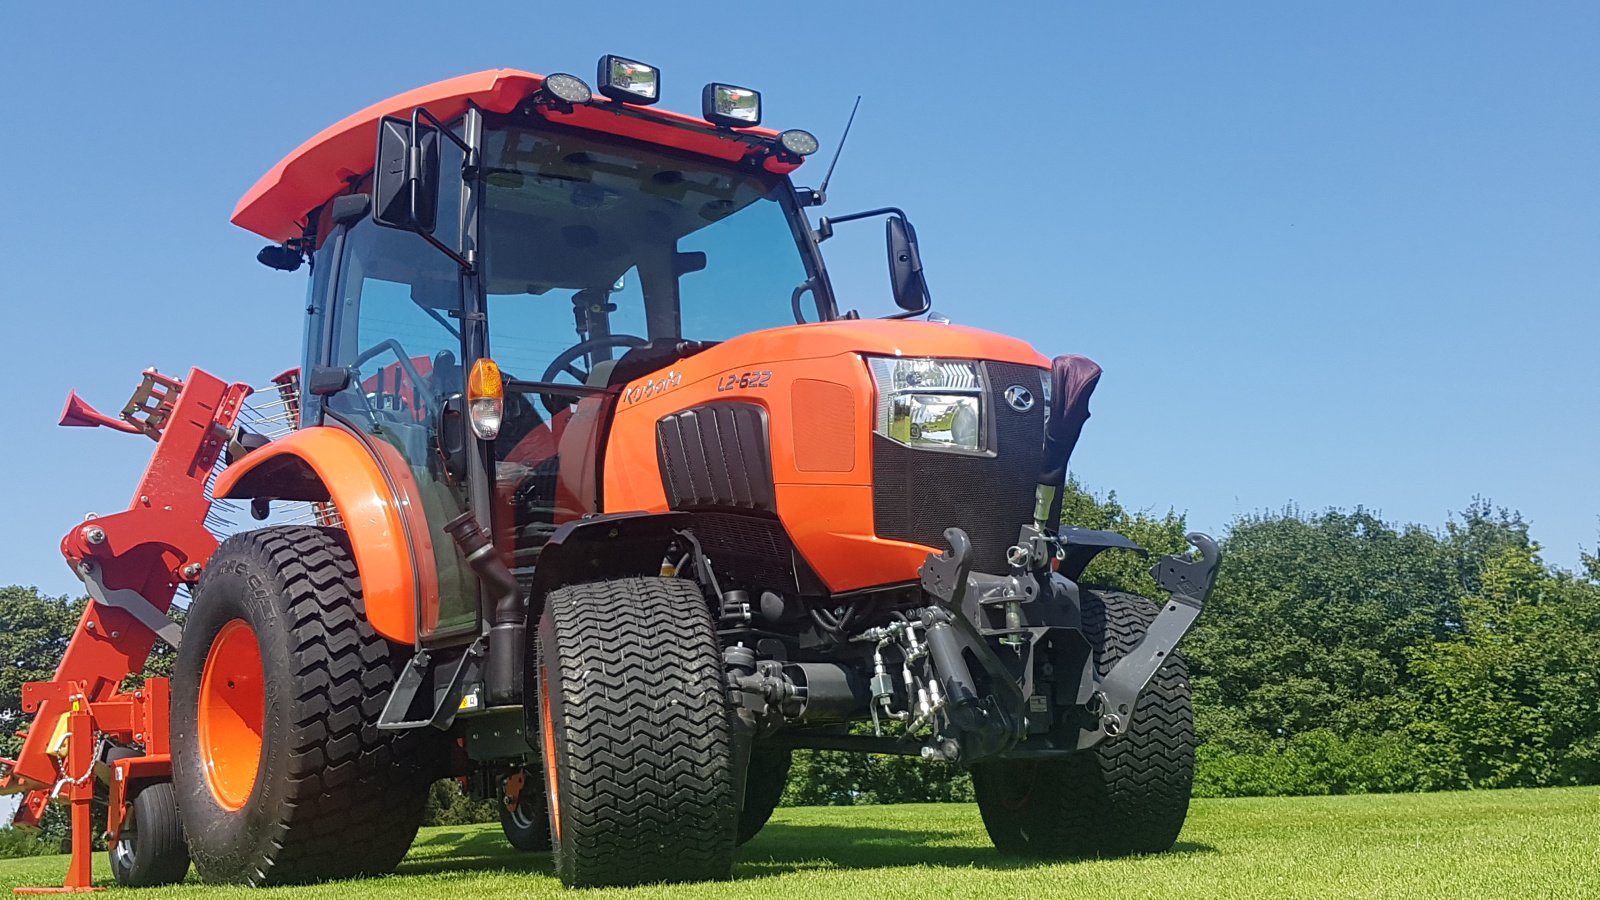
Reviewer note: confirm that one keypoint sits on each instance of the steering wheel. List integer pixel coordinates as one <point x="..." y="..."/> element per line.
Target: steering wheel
<point x="393" y="346"/>
<point x="567" y="362"/>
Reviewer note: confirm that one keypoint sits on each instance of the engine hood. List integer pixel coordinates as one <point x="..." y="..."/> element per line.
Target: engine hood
<point x="880" y="337"/>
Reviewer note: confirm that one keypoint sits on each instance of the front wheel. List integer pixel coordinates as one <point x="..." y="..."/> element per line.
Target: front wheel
<point x="636" y="733"/>
<point x="764" y="782"/>
<point x="1128" y="794"/>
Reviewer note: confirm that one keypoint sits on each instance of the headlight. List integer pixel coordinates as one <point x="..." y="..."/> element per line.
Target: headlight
<point x="929" y="404"/>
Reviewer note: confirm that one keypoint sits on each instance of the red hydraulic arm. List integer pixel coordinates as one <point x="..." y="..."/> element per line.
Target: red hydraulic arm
<point x="131" y="563"/>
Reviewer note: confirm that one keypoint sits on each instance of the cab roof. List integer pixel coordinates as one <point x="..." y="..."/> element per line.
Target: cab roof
<point x="277" y="206"/>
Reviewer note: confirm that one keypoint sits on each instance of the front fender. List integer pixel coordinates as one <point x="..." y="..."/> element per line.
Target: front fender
<point x="377" y="503"/>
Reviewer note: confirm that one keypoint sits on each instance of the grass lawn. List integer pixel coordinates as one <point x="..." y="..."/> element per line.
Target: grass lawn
<point x="1525" y="843"/>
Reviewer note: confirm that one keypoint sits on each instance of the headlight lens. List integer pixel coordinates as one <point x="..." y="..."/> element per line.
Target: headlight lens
<point x="929" y="404"/>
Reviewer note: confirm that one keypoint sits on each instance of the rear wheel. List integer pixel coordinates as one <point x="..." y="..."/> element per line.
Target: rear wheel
<point x="150" y="848"/>
<point x="636" y="734"/>
<point x="763" y="788"/>
<point x="281" y="773"/>
<point x="525" y="822"/>
<point x="1128" y="794"/>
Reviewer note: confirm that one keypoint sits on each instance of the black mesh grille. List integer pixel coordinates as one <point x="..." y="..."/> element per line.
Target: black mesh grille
<point x="917" y="494"/>
<point x="753" y="552"/>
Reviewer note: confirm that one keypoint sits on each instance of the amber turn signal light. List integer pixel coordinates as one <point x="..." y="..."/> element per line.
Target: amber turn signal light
<point x="486" y="398"/>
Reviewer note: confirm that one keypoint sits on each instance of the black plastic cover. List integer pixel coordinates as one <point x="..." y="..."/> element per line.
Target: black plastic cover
<point x="716" y="456"/>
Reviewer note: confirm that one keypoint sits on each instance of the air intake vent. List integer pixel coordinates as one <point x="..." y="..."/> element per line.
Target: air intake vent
<point x="716" y="456"/>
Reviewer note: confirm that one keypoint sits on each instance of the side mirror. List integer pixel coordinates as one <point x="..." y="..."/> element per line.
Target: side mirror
<point x="405" y="176"/>
<point x="905" y="267"/>
<point x="906" y="280"/>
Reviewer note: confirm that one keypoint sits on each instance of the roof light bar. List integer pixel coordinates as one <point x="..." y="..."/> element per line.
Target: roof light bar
<point x="730" y="106"/>
<point x="629" y="81"/>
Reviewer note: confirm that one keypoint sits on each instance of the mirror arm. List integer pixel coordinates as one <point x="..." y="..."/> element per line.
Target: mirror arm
<point x="927" y="304"/>
<point x="414" y="177"/>
<point x="883" y="211"/>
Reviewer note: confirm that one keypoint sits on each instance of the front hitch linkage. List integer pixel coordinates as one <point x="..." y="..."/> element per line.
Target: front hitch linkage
<point x="1188" y="582"/>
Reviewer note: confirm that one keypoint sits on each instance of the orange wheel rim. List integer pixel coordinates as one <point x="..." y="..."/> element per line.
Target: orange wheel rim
<point x="549" y="742"/>
<point x="232" y="712"/>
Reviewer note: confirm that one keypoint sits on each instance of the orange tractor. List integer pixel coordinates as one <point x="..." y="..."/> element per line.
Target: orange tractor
<point x="608" y="504"/>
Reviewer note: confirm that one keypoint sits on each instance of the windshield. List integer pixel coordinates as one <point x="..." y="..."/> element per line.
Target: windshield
<point x="586" y="239"/>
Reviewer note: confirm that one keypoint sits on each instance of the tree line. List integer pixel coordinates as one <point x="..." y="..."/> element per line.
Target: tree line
<point x="1340" y="653"/>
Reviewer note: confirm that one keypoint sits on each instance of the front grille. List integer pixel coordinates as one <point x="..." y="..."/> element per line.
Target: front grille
<point x="917" y="494"/>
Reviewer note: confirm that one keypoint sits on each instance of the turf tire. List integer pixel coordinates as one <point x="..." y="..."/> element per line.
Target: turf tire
<point x="636" y="733"/>
<point x="333" y="797"/>
<point x="1125" y="795"/>
<point x="527" y="828"/>
<point x="150" y="848"/>
<point x="763" y="788"/>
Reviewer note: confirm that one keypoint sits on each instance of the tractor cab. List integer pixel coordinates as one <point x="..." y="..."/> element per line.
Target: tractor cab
<point x="552" y="246"/>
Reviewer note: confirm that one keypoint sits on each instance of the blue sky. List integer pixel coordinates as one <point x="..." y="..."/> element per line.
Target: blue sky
<point x="1328" y="253"/>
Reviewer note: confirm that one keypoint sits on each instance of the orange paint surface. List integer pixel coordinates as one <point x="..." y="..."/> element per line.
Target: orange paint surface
<point x="375" y="520"/>
<point x="829" y="514"/>
<point x="322" y="166"/>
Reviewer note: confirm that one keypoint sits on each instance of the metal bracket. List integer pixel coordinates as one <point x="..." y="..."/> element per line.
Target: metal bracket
<point x="131" y="602"/>
<point x="945" y="575"/>
<point x="464" y="669"/>
<point x="1189" y="582"/>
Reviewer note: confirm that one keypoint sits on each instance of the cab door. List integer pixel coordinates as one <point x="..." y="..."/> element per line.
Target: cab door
<point x="396" y="327"/>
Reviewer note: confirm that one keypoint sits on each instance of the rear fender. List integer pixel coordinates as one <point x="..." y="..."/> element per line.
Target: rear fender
<point x="371" y="487"/>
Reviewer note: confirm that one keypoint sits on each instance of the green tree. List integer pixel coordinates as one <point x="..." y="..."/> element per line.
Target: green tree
<point x="1513" y="699"/>
<point x="34" y="630"/>
<point x="1310" y="624"/>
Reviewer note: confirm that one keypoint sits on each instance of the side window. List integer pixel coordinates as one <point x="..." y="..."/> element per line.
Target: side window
<point x="395" y="333"/>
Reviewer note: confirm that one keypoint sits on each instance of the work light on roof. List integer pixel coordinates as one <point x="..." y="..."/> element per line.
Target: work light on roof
<point x="567" y="88"/>
<point x="629" y="81"/>
<point x="730" y="105"/>
<point x="800" y="143"/>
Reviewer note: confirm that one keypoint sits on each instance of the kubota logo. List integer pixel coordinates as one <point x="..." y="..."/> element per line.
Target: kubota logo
<point x="1019" y="398"/>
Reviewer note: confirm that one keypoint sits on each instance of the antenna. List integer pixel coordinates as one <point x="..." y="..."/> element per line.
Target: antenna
<point x="823" y="191"/>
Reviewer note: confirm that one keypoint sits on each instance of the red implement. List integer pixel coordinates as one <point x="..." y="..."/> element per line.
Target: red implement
<point x="131" y="564"/>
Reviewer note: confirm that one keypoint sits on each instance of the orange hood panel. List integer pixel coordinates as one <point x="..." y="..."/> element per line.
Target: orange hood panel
<point x="820" y="404"/>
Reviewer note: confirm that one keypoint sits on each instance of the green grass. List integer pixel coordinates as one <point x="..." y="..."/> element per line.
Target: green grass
<point x="1534" y="843"/>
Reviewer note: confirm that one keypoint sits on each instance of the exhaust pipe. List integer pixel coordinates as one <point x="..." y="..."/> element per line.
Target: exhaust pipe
<point x="507" y="617"/>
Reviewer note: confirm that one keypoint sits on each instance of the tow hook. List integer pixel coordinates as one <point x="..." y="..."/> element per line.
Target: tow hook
<point x="1188" y="583"/>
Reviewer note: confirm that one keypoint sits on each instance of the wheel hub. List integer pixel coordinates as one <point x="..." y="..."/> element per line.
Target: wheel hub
<point x="232" y="714"/>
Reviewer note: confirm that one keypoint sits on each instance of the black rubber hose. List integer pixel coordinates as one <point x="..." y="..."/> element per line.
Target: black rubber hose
<point x="508" y="620"/>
